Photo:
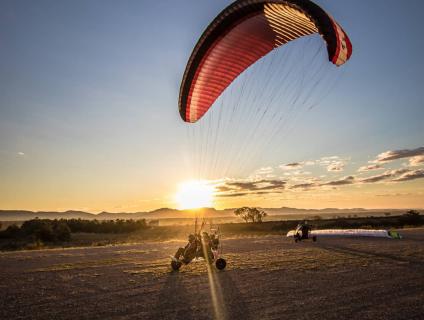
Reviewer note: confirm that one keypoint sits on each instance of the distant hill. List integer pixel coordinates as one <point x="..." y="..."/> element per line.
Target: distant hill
<point x="163" y="213"/>
<point x="19" y="215"/>
<point x="168" y="213"/>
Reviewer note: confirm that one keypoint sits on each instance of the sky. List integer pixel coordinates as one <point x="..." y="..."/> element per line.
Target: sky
<point x="89" y="111"/>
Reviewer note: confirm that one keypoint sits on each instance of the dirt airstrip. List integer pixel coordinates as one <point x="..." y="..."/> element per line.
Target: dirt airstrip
<point x="267" y="277"/>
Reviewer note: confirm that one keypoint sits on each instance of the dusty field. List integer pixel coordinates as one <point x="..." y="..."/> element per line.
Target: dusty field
<point x="266" y="278"/>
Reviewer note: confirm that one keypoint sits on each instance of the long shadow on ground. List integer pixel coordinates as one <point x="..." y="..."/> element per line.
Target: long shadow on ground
<point x="183" y="296"/>
<point x="367" y="253"/>
<point x="235" y="305"/>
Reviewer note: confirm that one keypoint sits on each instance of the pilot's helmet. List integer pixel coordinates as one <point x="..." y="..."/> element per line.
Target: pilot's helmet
<point x="191" y="238"/>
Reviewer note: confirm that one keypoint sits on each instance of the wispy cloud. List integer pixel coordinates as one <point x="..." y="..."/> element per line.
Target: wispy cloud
<point x="333" y="163"/>
<point x="317" y="184"/>
<point x="297" y="173"/>
<point x="242" y="188"/>
<point x="336" y="166"/>
<point x="370" y="167"/>
<point x="410" y="175"/>
<point x="416" y="161"/>
<point x="398" y="194"/>
<point x="292" y="166"/>
<point x="340" y="182"/>
<point x="257" y="185"/>
<point x="399" y="154"/>
<point x="231" y="195"/>
<point x="264" y="171"/>
<point x="390" y="174"/>
<point x="305" y="186"/>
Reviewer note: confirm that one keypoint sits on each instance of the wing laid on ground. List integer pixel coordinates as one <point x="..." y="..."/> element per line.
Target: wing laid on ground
<point x="351" y="233"/>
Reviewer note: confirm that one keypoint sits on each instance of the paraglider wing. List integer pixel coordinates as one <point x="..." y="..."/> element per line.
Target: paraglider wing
<point x="243" y="33"/>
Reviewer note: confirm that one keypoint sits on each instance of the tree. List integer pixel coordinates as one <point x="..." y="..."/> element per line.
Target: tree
<point x="412" y="217"/>
<point x="242" y="213"/>
<point x="250" y="214"/>
<point x="412" y="213"/>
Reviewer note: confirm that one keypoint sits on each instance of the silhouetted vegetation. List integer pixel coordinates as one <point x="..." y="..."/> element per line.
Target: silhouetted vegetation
<point x="106" y="226"/>
<point x="37" y="232"/>
<point x="250" y="214"/>
<point x="412" y="217"/>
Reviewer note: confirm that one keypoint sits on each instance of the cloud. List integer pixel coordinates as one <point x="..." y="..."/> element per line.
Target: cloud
<point x="416" y="161"/>
<point x="340" y="182"/>
<point x="242" y="188"/>
<point x="229" y="195"/>
<point x="330" y="158"/>
<point x="390" y="174"/>
<point x="304" y="186"/>
<point x="20" y="153"/>
<point x="370" y="167"/>
<point x="292" y="166"/>
<point x="297" y="173"/>
<point x="333" y="163"/>
<point x="223" y="188"/>
<point x="315" y="184"/>
<point x="336" y="166"/>
<point x="241" y="185"/>
<point x="264" y="171"/>
<point x="271" y="185"/>
<point x="394" y="194"/>
<point x="410" y="175"/>
<point x="399" y="154"/>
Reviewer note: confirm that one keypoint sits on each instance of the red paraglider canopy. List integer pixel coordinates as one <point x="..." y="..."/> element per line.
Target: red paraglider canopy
<point x="243" y="33"/>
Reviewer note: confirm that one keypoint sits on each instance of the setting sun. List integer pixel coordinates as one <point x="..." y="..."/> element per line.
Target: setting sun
<point x="194" y="194"/>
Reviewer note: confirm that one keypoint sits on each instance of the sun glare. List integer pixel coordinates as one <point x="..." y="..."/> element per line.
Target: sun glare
<point x="194" y="194"/>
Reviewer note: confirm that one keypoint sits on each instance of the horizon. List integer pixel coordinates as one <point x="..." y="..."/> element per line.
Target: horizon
<point x="89" y="117"/>
<point x="212" y="208"/>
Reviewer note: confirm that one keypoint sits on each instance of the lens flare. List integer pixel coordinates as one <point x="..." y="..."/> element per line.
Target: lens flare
<point x="194" y="194"/>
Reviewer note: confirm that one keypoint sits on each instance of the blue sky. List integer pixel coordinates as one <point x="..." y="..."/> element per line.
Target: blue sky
<point x="89" y="92"/>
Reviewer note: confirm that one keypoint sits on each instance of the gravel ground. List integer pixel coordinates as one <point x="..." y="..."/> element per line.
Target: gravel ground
<point x="267" y="277"/>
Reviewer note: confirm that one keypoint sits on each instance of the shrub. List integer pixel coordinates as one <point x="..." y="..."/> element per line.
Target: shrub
<point x="11" y="232"/>
<point x="106" y="226"/>
<point x="62" y="231"/>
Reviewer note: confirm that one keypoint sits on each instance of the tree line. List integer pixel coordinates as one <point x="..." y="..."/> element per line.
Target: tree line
<point x="47" y="230"/>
